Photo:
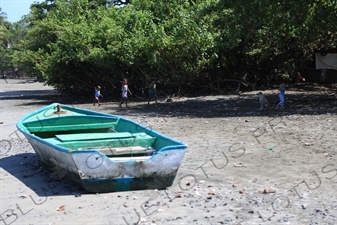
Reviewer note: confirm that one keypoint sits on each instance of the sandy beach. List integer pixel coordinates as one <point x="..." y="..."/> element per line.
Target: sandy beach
<point x="242" y="166"/>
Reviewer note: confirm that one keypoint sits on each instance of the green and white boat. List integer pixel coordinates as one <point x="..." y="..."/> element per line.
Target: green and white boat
<point x="101" y="152"/>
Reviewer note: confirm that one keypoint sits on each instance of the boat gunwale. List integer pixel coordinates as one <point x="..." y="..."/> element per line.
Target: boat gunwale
<point x="70" y="116"/>
<point x="178" y="145"/>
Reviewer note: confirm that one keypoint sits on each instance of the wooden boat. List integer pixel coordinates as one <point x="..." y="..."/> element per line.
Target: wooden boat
<point x="101" y="152"/>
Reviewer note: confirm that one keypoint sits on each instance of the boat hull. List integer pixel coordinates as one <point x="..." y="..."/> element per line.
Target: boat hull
<point x="99" y="173"/>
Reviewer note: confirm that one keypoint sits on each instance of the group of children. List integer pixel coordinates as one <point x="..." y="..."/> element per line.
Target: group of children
<point x="125" y="90"/>
<point x="153" y="93"/>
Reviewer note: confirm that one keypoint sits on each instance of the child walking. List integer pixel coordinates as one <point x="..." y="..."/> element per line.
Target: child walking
<point x="125" y="90"/>
<point x="152" y="92"/>
<point x="281" y="96"/>
<point x="97" y="95"/>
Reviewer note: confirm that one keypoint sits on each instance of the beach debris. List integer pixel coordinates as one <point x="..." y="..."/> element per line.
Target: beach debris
<point x="243" y="192"/>
<point x="238" y="165"/>
<point x="179" y="195"/>
<point x="61" y="208"/>
<point x="77" y="194"/>
<point x="308" y="144"/>
<point x="265" y="191"/>
<point x="22" y="196"/>
<point x="142" y="220"/>
<point x="212" y="192"/>
<point x="1" y="122"/>
<point x="160" y="210"/>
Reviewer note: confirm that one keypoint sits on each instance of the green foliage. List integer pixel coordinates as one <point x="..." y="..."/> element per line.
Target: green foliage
<point x="187" y="45"/>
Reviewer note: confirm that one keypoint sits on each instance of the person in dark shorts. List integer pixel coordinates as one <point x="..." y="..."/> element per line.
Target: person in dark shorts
<point x="152" y="92"/>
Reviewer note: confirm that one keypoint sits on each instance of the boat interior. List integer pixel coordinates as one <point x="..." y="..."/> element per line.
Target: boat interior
<point x="116" y="139"/>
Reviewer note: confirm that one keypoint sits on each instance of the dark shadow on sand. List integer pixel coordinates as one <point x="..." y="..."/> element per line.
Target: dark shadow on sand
<point x="36" y="97"/>
<point x="312" y="99"/>
<point x="26" y="168"/>
<point x="302" y="104"/>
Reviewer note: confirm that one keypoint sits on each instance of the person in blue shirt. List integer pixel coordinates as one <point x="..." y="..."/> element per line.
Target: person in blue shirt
<point x="281" y="95"/>
<point x="97" y="95"/>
